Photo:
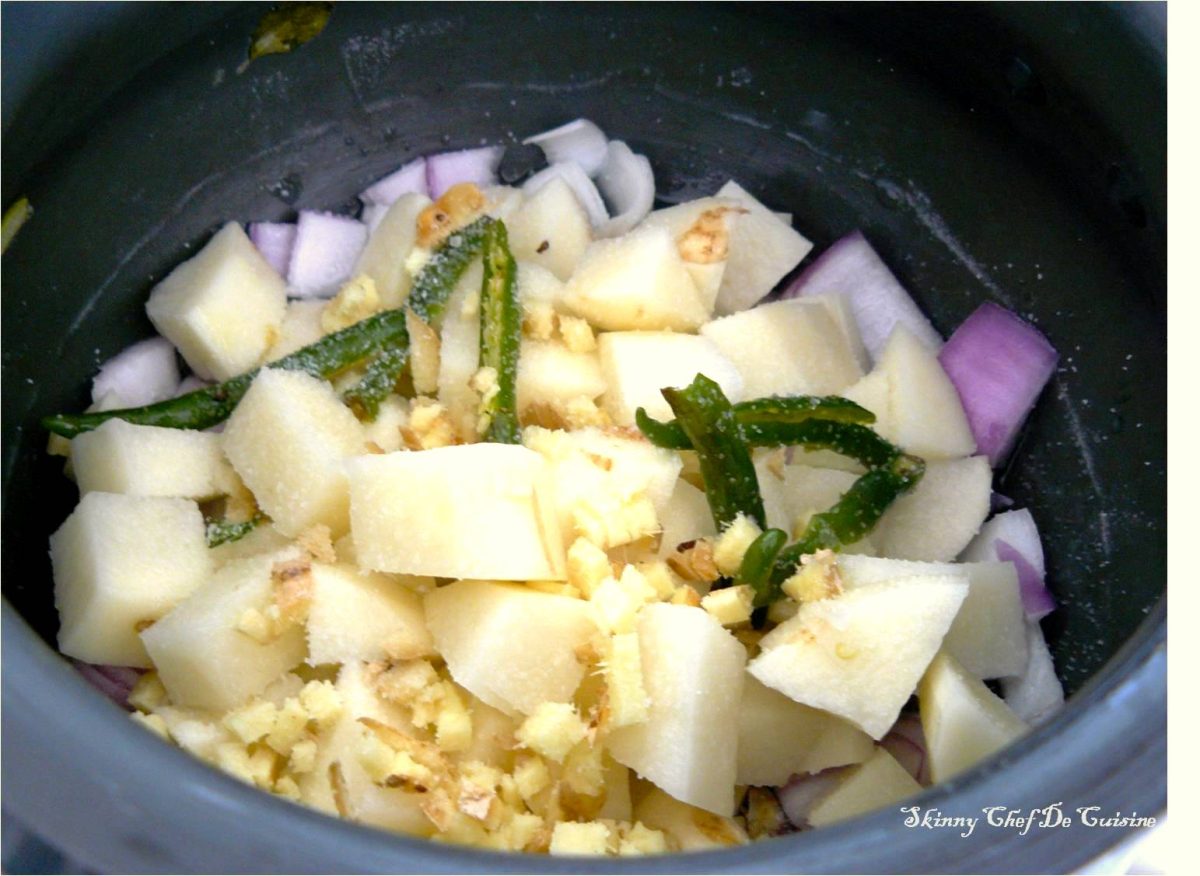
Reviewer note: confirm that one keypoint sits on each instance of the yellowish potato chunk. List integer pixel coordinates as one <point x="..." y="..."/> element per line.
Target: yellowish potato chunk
<point x="222" y="307"/>
<point x="638" y="365"/>
<point x="511" y="646"/>
<point x="470" y="511"/>
<point x="383" y="258"/>
<point x="693" y="670"/>
<point x="356" y="616"/>
<point x="206" y="652"/>
<point x="287" y="439"/>
<point x="637" y="281"/>
<point x="551" y="229"/>
<point x="793" y="347"/>
<point x="779" y="737"/>
<point x="120" y="563"/>
<point x="121" y="457"/>
<point x="861" y="654"/>
<point x="761" y="250"/>
<point x="963" y="721"/>
<point x="878" y="782"/>
<point x="988" y="634"/>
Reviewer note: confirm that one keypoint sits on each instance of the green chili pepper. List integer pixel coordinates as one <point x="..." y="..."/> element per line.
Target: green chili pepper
<point x="206" y="407"/>
<point x="379" y="381"/>
<point x="499" y="336"/>
<point x="223" y="531"/>
<point x="849" y="439"/>
<point x="436" y="280"/>
<point x="326" y="358"/>
<point x="431" y="289"/>
<point x="854" y="515"/>
<point x="730" y="481"/>
<point x="774" y="411"/>
<point x="759" y="562"/>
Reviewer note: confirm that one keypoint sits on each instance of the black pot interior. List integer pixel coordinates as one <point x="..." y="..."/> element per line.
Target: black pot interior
<point x="985" y="164"/>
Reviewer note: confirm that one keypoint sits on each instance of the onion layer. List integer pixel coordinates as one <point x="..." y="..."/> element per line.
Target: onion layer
<point x="447" y="169"/>
<point x="878" y="301"/>
<point x="274" y="241"/>
<point x="327" y="248"/>
<point x="141" y="374"/>
<point x="580" y="141"/>
<point x="575" y="177"/>
<point x="626" y="181"/>
<point x="408" y="179"/>
<point x="999" y="364"/>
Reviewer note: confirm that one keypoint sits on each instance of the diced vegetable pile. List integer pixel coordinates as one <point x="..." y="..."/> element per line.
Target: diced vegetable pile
<point x="519" y="514"/>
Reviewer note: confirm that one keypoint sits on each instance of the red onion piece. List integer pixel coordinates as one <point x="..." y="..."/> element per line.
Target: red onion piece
<point x="141" y="374"/>
<point x="906" y="743"/>
<point x="467" y="166"/>
<point x="999" y="364"/>
<point x="115" y="682"/>
<point x="1000" y="502"/>
<point x="1035" y="597"/>
<point x="409" y="179"/>
<point x="579" y="141"/>
<point x="326" y="250"/>
<point x="1037" y="693"/>
<point x="878" y="301"/>
<point x="274" y="240"/>
<point x="804" y="791"/>
<point x="1016" y="527"/>
<point x="575" y="177"/>
<point x="626" y="181"/>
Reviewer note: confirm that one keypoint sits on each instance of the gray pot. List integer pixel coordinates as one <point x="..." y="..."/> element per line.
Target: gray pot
<point x="1012" y="153"/>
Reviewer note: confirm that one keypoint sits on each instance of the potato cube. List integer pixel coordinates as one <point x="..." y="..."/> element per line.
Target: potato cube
<point x="638" y="365"/>
<point x="121" y="457"/>
<point x="637" y="281"/>
<point x="916" y="405"/>
<point x="791" y="347"/>
<point x="203" y="657"/>
<point x="693" y="671"/>
<point x="878" y="782"/>
<point x="779" y="738"/>
<point x="941" y="515"/>
<point x="550" y="374"/>
<point x="459" y="354"/>
<point x="512" y="647"/>
<point x="301" y="326"/>
<point x="761" y="250"/>
<point x="383" y="258"/>
<point x="287" y="439"/>
<point x="121" y="562"/>
<point x="470" y="511"/>
<point x="551" y="229"/>
<point x="963" y="721"/>
<point x="861" y="654"/>
<point x="356" y="616"/>
<point x="702" y="230"/>
<point x="222" y="307"/>
<point x="988" y="634"/>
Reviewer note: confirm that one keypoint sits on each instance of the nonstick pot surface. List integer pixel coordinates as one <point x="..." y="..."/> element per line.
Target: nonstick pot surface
<point x="989" y="153"/>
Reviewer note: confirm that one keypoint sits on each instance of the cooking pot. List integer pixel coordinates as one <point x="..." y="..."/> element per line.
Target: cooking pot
<point x="1013" y="153"/>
